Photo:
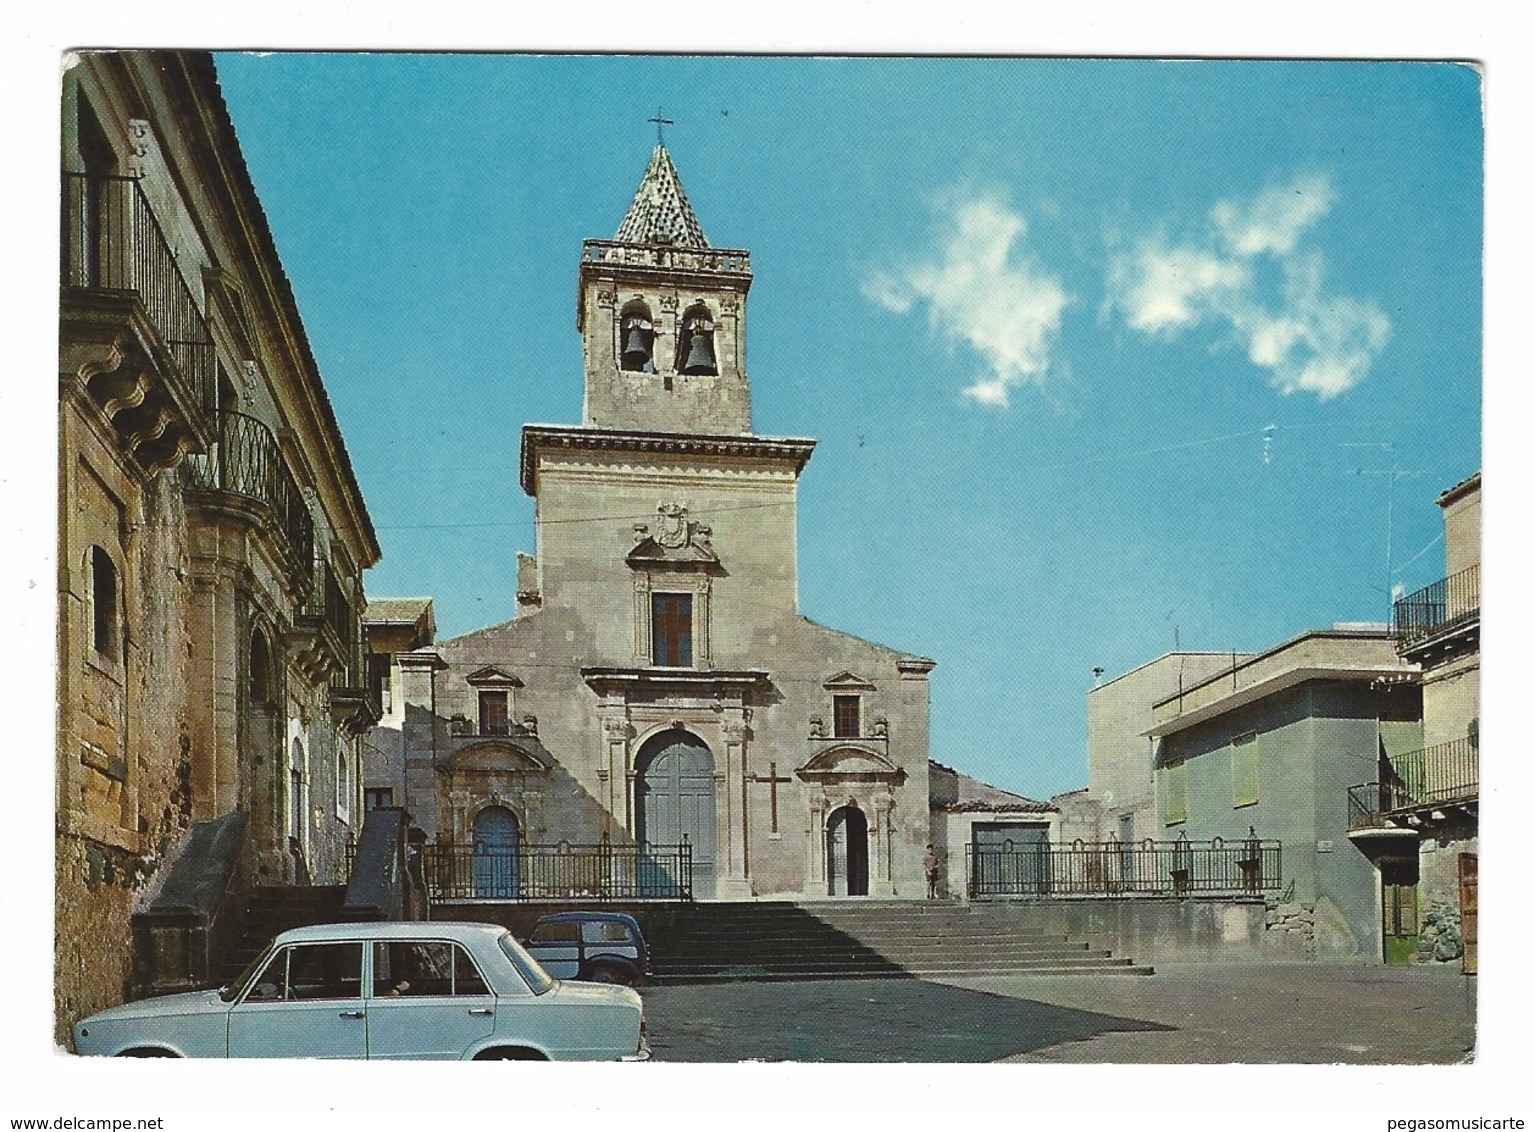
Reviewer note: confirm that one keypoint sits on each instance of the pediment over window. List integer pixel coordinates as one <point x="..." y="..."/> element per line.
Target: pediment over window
<point x="850" y="760"/>
<point x="847" y="682"/>
<point x="492" y="677"/>
<point x="649" y="552"/>
<point x="499" y="753"/>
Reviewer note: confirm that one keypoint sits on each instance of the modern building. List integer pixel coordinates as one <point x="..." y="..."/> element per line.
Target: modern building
<point x="211" y="536"/>
<point x="658" y="693"/>
<point x="1417" y="819"/>
<point x="1268" y="748"/>
<point x="1121" y="788"/>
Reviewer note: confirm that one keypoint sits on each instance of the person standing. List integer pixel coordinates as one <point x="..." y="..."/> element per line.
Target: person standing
<point x="930" y="865"/>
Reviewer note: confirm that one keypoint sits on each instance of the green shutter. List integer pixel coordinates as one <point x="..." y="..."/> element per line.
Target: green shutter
<point x="1244" y="770"/>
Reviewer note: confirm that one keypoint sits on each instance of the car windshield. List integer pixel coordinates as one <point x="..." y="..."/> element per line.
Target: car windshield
<point x="231" y="990"/>
<point x="538" y="979"/>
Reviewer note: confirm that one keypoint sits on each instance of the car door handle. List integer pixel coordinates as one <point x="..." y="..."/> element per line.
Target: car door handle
<point x="351" y="1014"/>
<point x="485" y="1011"/>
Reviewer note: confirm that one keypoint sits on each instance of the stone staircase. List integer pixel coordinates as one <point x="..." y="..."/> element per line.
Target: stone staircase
<point x="865" y="939"/>
<point x="276" y="908"/>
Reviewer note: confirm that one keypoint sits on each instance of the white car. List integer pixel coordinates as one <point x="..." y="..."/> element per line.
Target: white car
<point x="383" y="990"/>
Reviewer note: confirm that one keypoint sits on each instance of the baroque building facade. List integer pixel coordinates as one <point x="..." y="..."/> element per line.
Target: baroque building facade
<point x="211" y="536"/>
<point x="658" y="683"/>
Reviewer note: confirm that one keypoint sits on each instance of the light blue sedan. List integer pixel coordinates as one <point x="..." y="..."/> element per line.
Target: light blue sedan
<point x="383" y="990"/>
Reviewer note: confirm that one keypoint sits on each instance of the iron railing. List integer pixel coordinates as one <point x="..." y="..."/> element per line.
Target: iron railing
<point x="734" y="260"/>
<point x="1115" y="868"/>
<point x="112" y="241"/>
<point x="1444" y="772"/>
<point x="1447" y="604"/>
<point x="563" y="871"/>
<point x="245" y="460"/>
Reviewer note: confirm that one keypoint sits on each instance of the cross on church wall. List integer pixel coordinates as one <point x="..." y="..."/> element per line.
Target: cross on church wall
<point x="772" y="779"/>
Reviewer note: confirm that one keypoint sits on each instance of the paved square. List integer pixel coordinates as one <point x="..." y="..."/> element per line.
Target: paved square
<point x="1288" y="1014"/>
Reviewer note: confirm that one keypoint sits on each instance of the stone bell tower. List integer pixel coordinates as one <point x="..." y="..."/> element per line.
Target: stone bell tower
<point x="663" y="319"/>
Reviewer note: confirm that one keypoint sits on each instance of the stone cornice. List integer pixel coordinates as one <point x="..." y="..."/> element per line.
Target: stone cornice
<point x="791" y="450"/>
<point x="604" y="680"/>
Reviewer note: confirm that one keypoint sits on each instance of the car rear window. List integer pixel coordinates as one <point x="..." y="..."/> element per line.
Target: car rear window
<point x="605" y="931"/>
<point x="538" y="979"/>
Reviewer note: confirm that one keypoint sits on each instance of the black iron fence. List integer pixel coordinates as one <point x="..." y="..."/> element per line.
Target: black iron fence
<point x="245" y="460"/>
<point x="111" y="240"/>
<point x="1442" y="773"/>
<point x="563" y="871"/>
<point x="1447" y="604"/>
<point x="1371" y="802"/>
<point x="1114" y="868"/>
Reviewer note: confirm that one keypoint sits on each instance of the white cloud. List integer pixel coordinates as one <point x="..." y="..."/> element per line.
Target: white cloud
<point x="1307" y="339"/>
<point x="983" y="291"/>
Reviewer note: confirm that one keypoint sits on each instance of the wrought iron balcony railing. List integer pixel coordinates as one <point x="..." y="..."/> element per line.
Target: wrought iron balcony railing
<point x="1370" y="804"/>
<point x="1113" y="868"/>
<point x="563" y="871"/>
<point x="1447" y="604"/>
<point x="112" y="241"/>
<point x="1445" y="772"/>
<point x="246" y="461"/>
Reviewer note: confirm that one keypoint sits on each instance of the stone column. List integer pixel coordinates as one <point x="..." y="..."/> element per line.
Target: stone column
<point x="884" y="843"/>
<point x="612" y="774"/>
<point x="733" y="883"/>
<point x="815" y="846"/>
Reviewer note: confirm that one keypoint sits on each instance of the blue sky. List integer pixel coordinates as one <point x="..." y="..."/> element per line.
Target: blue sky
<point x="1100" y="354"/>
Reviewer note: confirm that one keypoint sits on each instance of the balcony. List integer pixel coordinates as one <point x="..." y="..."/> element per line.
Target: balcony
<point x="131" y="335"/>
<point x="1446" y="772"/>
<point x="1428" y="790"/>
<point x="327" y="631"/>
<point x="243" y="470"/>
<point x="1439" y="611"/>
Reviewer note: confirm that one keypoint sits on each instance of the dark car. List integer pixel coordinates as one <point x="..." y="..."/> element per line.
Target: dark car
<point x="594" y="947"/>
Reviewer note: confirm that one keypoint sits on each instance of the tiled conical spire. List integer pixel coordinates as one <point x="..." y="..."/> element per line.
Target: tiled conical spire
<point x="660" y="212"/>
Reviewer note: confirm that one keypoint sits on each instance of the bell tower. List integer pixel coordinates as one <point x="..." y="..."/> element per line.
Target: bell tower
<point x="662" y="316"/>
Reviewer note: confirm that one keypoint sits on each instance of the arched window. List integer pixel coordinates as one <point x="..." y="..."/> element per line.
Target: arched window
<point x="636" y="338"/>
<point x="296" y="792"/>
<point x="105" y="622"/>
<point x="260" y="682"/>
<point x="695" y="342"/>
<point x="343" y="784"/>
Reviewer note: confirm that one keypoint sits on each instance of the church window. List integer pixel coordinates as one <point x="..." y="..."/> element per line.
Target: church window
<point x="378" y="797"/>
<point x="343" y="786"/>
<point x="494" y="717"/>
<point x="671" y="629"/>
<point x="105" y="628"/>
<point x="846" y="723"/>
<point x="695" y="344"/>
<point x="636" y="339"/>
<point x="260" y="671"/>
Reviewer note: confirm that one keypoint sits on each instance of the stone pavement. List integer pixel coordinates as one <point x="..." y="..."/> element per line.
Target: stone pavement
<point x="1291" y="1014"/>
<point x="1288" y="1014"/>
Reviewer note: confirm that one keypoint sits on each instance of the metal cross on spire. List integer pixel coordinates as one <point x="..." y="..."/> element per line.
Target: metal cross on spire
<point x="660" y="123"/>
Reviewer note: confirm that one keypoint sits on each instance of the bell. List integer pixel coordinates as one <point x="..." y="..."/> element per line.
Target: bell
<point x="700" y="357"/>
<point x="636" y="350"/>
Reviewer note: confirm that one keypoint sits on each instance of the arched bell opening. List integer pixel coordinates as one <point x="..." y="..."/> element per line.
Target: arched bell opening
<point x="636" y="338"/>
<point x="847" y="852"/>
<point x="695" y="342"/>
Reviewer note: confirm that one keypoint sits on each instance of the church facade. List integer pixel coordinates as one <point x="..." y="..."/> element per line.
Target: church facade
<point x="658" y="683"/>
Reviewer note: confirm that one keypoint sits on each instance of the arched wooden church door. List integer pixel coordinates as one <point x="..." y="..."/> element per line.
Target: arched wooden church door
<point x="496" y="873"/>
<point x="673" y="801"/>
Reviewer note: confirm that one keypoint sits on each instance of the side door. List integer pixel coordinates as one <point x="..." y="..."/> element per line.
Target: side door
<point x="427" y="1000"/>
<point x="307" y="1002"/>
<point x="556" y="944"/>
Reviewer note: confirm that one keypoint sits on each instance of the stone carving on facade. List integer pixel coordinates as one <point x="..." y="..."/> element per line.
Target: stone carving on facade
<point x="641" y="532"/>
<point x="734" y="730"/>
<point x="138" y="141"/>
<point x="669" y="302"/>
<point x="605" y="298"/>
<point x="672" y="525"/>
<point x="817" y="727"/>
<point x="881" y="727"/>
<point x="530" y="725"/>
<point x="248" y="379"/>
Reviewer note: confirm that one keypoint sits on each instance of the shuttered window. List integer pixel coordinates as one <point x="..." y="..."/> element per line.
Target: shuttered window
<point x="1175" y="778"/>
<point x="1244" y="770"/>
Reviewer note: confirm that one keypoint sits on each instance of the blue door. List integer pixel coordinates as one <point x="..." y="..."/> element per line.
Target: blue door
<point x="495" y="854"/>
<point x="674" y="802"/>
